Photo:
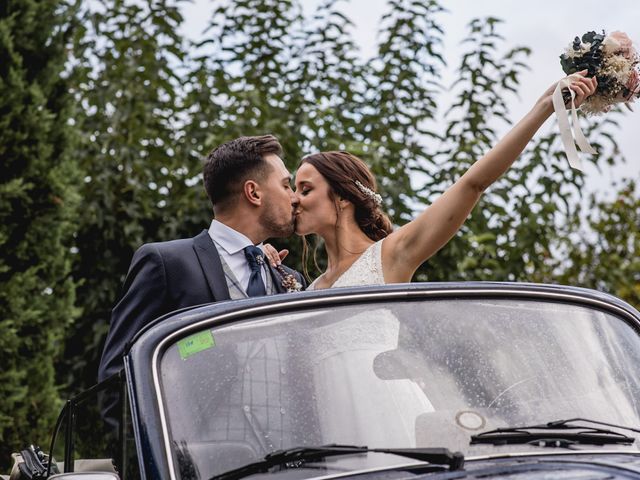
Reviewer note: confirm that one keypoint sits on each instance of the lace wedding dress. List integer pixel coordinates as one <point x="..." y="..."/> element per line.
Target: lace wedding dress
<point x="366" y="270"/>
<point x="372" y="411"/>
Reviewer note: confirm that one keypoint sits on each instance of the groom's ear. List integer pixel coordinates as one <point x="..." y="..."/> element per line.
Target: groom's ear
<point x="252" y="192"/>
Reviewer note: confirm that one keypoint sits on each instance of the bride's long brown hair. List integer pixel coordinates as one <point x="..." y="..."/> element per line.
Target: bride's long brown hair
<point x="341" y="170"/>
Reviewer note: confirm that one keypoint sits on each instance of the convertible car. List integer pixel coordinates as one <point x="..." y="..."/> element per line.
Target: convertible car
<point x="441" y="381"/>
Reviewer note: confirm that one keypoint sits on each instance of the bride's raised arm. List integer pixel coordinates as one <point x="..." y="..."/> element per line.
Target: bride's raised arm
<point x="407" y="248"/>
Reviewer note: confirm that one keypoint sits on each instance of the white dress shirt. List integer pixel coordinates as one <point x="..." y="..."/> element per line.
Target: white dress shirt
<point x="232" y="244"/>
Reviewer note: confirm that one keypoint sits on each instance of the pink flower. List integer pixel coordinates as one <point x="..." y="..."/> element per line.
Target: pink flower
<point x="624" y="43"/>
<point x="622" y="38"/>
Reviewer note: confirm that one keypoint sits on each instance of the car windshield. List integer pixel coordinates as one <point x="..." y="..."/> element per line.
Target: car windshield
<point x="425" y="373"/>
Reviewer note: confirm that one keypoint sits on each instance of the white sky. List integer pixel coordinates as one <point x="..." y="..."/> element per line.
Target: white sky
<point x="546" y="26"/>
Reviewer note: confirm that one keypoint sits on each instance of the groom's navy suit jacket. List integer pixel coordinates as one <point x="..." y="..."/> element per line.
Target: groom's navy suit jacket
<point x="164" y="277"/>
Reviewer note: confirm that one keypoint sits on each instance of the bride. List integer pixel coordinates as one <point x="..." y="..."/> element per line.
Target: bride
<point x="338" y="201"/>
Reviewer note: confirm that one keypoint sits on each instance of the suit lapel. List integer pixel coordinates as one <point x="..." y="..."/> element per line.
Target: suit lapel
<point x="276" y="278"/>
<point x="210" y="262"/>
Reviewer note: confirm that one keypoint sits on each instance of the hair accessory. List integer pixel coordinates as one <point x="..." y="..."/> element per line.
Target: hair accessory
<point x="369" y="193"/>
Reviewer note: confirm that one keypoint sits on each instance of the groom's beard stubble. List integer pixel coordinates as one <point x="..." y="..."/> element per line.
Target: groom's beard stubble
<point x="277" y="226"/>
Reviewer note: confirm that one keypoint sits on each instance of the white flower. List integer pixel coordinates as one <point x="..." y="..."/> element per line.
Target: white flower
<point x="610" y="44"/>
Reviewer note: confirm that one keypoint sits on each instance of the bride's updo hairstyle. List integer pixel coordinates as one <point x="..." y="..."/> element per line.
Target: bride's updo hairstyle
<point x="350" y="178"/>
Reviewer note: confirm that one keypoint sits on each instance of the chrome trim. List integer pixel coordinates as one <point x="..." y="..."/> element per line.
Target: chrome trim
<point x="135" y="420"/>
<point x="468" y="292"/>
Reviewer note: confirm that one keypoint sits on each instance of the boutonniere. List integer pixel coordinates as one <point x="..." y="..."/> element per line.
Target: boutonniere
<point x="289" y="281"/>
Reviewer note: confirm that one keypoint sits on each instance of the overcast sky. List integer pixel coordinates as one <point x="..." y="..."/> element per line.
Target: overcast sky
<point x="546" y="26"/>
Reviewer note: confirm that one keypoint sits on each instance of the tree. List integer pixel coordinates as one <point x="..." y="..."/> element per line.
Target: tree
<point x="38" y="208"/>
<point x="147" y="113"/>
<point x="402" y="98"/>
<point x="138" y="179"/>
<point x="266" y="68"/>
<point x="151" y="113"/>
<point x="330" y="81"/>
<point x="263" y="69"/>
<point x="514" y="231"/>
<point x="241" y="80"/>
<point x="604" y="252"/>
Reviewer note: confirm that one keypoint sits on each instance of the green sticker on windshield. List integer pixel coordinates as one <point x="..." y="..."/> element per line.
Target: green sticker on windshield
<point x="195" y="343"/>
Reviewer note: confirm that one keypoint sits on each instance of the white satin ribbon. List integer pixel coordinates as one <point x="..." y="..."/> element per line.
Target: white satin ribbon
<point x="570" y="137"/>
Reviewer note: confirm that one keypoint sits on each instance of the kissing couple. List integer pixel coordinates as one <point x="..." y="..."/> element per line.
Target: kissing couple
<point x="335" y="197"/>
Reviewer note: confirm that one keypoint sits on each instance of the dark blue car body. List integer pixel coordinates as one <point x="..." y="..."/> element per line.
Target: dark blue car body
<point x="151" y="412"/>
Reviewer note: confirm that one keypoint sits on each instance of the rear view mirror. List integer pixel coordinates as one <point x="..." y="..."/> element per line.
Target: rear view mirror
<point x="397" y="365"/>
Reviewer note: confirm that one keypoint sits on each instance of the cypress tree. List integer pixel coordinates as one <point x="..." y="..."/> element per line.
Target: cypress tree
<point x="38" y="206"/>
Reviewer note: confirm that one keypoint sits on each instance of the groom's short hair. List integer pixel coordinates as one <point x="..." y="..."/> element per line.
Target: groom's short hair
<point x="231" y="164"/>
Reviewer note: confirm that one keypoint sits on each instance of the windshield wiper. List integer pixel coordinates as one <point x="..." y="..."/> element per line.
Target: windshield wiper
<point x="557" y="433"/>
<point x="296" y="457"/>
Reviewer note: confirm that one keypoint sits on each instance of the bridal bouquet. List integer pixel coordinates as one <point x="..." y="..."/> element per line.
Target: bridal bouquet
<point x="613" y="60"/>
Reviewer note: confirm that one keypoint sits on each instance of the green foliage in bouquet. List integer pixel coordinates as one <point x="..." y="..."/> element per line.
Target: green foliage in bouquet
<point x="588" y="55"/>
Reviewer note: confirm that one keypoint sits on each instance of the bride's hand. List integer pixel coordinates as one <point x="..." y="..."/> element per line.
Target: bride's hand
<point x="275" y="258"/>
<point x="580" y="84"/>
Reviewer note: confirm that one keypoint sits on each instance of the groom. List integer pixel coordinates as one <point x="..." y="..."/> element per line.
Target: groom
<point x="250" y="190"/>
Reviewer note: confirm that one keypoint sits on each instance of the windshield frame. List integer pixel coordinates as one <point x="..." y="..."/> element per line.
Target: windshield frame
<point x="247" y="310"/>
